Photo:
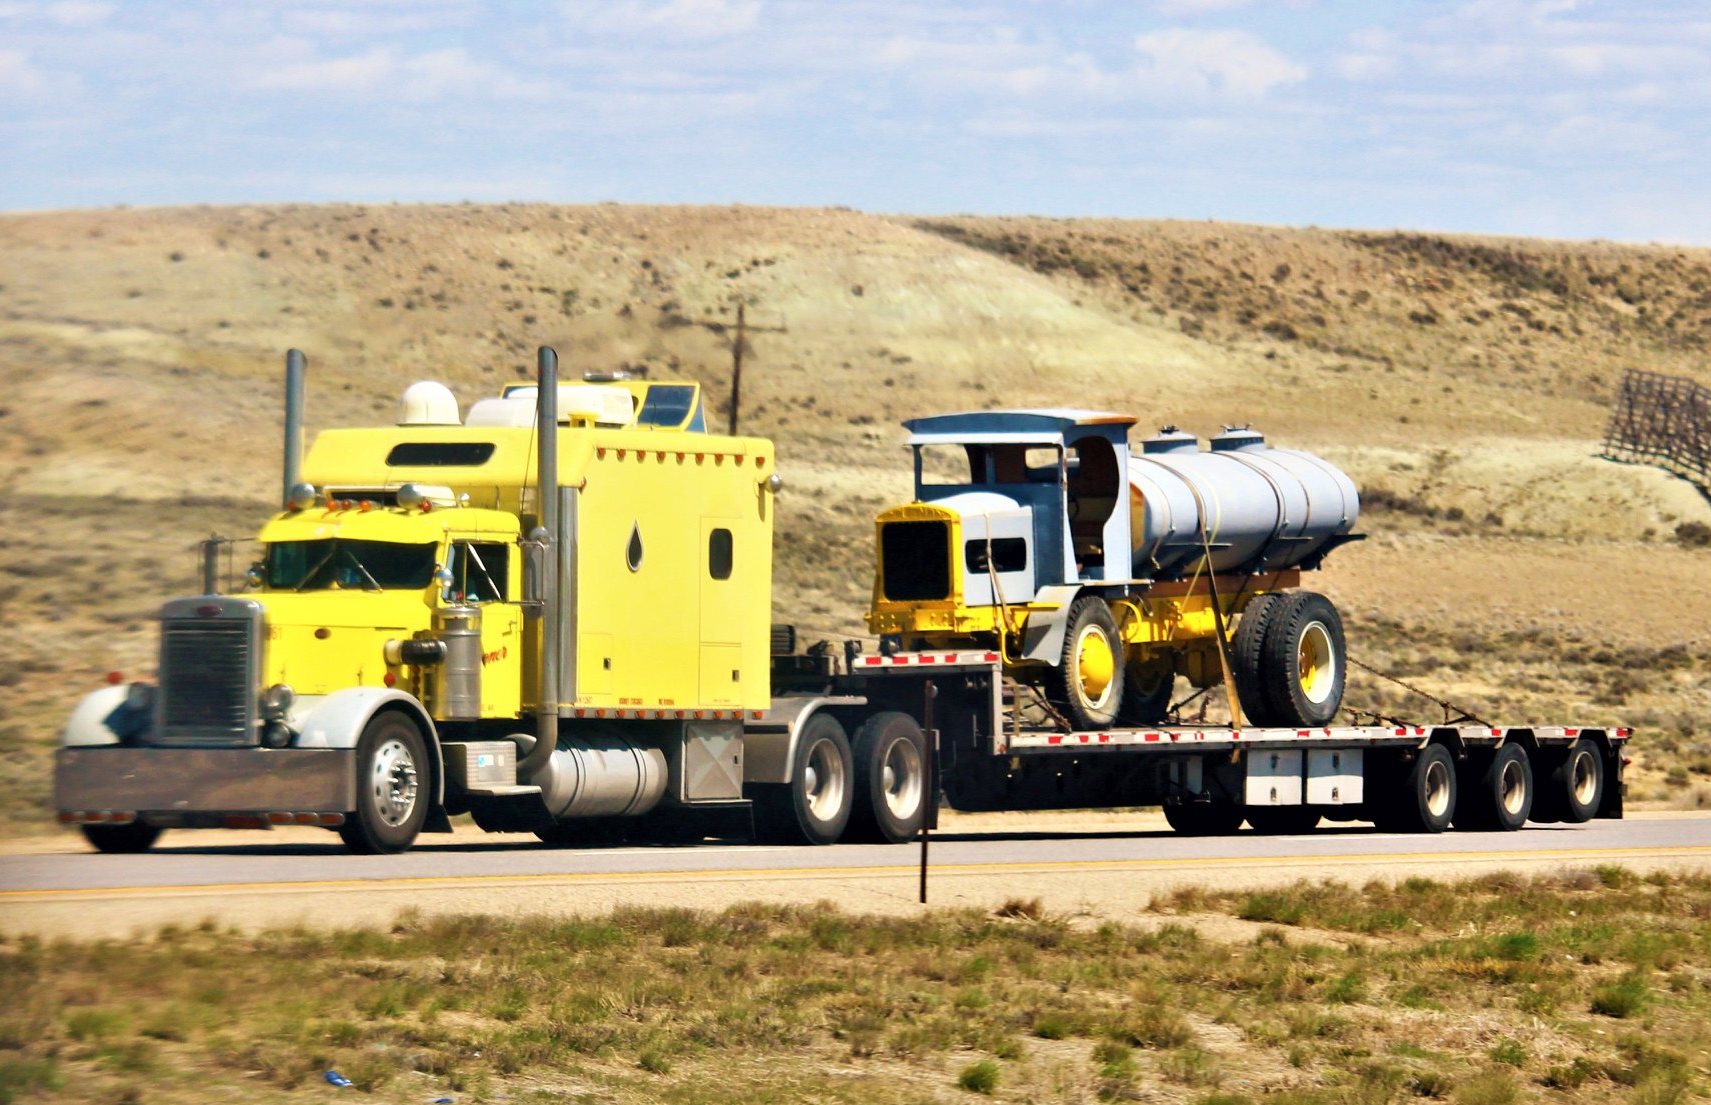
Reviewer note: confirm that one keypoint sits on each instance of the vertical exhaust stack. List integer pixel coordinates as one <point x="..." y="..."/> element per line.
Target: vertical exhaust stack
<point x="294" y="366"/>
<point x="546" y="499"/>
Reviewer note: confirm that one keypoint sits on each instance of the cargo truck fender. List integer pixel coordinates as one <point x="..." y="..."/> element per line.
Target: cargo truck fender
<point x="769" y="747"/>
<point x="1042" y="639"/>
<point x="87" y="725"/>
<point x="338" y="719"/>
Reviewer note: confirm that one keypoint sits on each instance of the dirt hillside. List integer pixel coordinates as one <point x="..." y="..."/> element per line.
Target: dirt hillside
<point x="1464" y="382"/>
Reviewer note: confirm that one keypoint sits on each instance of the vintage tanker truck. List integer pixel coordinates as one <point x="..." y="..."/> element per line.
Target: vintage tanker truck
<point x="552" y="613"/>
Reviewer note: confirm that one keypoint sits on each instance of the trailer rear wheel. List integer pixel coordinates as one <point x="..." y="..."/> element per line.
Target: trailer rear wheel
<point x="391" y="787"/>
<point x="1302" y="662"/>
<point x="1571" y="784"/>
<point x="814" y="807"/>
<point x="122" y="840"/>
<point x="1496" y="791"/>
<point x="1147" y="690"/>
<point x="1087" y="683"/>
<point x="1248" y="653"/>
<point x="1282" y="820"/>
<point x="890" y="755"/>
<point x="1420" y="797"/>
<point x="1204" y="818"/>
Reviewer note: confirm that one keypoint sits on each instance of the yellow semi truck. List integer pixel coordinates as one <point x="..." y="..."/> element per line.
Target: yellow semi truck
<point x="551" y="612"/>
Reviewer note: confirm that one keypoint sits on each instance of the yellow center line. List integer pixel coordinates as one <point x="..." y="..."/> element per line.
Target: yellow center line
<point x="1685" y="851"/>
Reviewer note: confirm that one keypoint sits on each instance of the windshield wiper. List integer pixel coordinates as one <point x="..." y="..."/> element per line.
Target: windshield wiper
<point x="374" y="585"/>
<point x="309" y="576"/>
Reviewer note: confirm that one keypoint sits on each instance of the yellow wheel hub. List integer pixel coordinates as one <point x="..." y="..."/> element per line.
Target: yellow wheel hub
<point x="1317" y="663"/>
<point x="1095" y="664"/>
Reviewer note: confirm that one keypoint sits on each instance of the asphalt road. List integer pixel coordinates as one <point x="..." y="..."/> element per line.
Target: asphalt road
<point x="1112" y="867"/>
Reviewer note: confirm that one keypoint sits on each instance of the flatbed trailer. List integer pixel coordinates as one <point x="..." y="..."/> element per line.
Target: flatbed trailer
<point x="982" y="755"/>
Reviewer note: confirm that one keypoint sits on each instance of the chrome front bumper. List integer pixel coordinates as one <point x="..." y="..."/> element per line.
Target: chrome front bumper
<point x="205" y="780"/>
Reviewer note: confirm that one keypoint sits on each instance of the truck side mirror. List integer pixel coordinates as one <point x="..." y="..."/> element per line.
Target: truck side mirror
<point x="534" y="570"/>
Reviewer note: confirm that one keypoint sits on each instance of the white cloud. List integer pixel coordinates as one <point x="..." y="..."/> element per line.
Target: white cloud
<point x="691" y="19"/>
<point x="78" y="13"/>
<point x="406" y="77"/>
<point x="1211" y="61"/>
<point x="17" y="75"/>
<point x="1180" y="8"/>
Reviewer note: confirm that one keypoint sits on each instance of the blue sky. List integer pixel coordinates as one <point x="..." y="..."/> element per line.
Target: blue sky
<point x="1563" y="118"/>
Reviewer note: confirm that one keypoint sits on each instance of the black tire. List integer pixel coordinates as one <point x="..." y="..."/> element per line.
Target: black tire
<point x="1147" y="691"/>
<point x="1204" y="818"/>
<point x="1282" y="820"/>
<point x="1086" y="685"/>
<point x="1303" y="662"/>
<point x="122" y="840"/>
<point x="1571" y="784"/>
<point x="1419" y="797"/>
<point x="1496" y="791"/>
<point x="1247" y="656"/>
<point x="586" y="832"/>
<point x="890" y="754"/>
<point x="814" y="807"/>
<point x="392" y="792"/>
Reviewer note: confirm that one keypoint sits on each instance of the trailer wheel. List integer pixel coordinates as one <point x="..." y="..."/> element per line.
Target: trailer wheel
<point x="122" y="840"/>
<point x="1147" y="690"/>
<point x="1496" y="791"/>
<point x="1087" y="683"/>
<point x="814" y="807"/>
<point x="890" y="755"/>
<point x="391" y="787"/>
<point x="1303" y="661"/>
<point x="1420" y="797"/>
<point x="1247" y="650"/>
<point x="1282" y="820"/>
<point x="1204" y="818"/>
<point x="1571" y="784"/>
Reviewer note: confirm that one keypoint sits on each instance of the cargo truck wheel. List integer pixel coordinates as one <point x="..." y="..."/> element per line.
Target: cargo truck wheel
<point x="1496" y="791"/>
<point x="890" y="755"/>
<point x="814" y="807"/>
<point x="1204" y="818"/>
<point x="1302" y="661"/>
<point x="122" y="840"/>
<point x="1087" y="683"/>
<point x="1247" y="651"/>
<point x="1419" y="797"/>
<point x="1282" y="820"/>
<point x="1571" y="784"/>
<point x="1147" y="690"/>
<point x="391" y="787"/>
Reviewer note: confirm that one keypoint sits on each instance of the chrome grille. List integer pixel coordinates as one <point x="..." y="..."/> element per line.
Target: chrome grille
<point x="207" y="681"/>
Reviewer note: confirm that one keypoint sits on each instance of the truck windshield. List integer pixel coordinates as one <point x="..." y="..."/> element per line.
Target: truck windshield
<point x="359" y="565"/>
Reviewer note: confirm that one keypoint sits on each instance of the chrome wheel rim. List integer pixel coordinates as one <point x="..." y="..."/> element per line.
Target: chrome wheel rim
<point x="1512" y="787"/>
<point x="1437" y="788"/>
<point x="1583" y="778"/>
<point x="902" y="779"/>
<point x="393" y="784"/>
<point x="823" y="781"/>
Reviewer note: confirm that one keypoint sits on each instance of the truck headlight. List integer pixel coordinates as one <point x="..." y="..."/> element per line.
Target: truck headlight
<point x="276" y="700"/>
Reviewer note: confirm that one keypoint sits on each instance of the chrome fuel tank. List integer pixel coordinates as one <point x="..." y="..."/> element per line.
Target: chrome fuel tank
<point x="1265" y="509"/>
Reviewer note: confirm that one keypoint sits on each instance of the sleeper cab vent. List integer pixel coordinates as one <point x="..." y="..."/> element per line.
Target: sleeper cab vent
<point x="916" y="560"/>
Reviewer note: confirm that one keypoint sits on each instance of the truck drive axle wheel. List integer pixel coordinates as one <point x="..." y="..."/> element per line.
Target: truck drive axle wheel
<point x="1086" y="685"/>
<point x="814" y="807"/>
<point x="1204" y="818"/>
<point x="1496" y="791"/>
<point x="122" y="840"/>
<point x="392" y="792"/>
<point x="890" y="755"/>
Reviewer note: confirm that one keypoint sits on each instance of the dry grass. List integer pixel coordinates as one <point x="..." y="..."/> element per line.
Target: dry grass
<point x="1464" y="382"/>
<point x="1591" y="986"/>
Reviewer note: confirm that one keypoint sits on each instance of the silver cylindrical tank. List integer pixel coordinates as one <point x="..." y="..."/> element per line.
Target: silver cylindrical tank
<point x="1265" y="508"/>
<point x="457" y="681"/>
<point x="602" y="776"/>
